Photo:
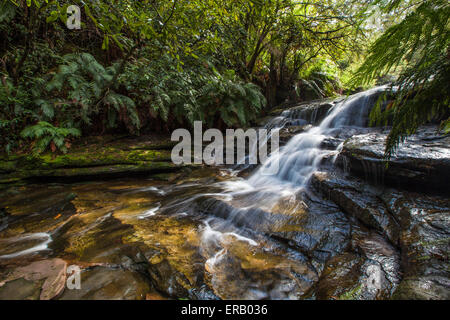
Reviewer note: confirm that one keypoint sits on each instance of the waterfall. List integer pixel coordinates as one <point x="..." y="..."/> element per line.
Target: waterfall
<point x="301" y="156"/>
<point x="249" y="201"/>
<point x="247" y="210"/>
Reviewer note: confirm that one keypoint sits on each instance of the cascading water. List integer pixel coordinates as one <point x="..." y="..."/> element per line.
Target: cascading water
<point x="280" y="205"/>
<point x="262" y="237"/>
<point x="301" y="156"/>
<point x="297" y="160"/>
<point x="273" y="204"/>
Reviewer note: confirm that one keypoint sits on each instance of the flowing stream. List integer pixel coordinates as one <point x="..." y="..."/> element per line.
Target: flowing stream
<point x="297" y="161"/>
<point x="211" y="234"/>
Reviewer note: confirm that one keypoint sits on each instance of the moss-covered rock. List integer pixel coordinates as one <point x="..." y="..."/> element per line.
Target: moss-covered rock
<point x="90" y="160"/>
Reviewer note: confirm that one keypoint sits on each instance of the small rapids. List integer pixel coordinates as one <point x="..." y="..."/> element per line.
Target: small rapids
<point x="215" y="232"/>
<point x="262" y="209"/>
<point x="297" y="160"/>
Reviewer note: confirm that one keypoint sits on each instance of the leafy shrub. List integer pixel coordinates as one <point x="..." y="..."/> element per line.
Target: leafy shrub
<point x="238" y="103"/>
<point x="196" y="92"/>
<point x="87" y="90"/>
<point x="47" y="135"/>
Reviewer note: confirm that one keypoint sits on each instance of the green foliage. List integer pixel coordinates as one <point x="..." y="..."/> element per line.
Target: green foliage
<point x="196" y="92"/>
<point x="419" y="48"/>
<point x="238" y="103"/>
<point x="45" y="135"/>
<point x="136" y="65"/>
<point x="82" y="90"/>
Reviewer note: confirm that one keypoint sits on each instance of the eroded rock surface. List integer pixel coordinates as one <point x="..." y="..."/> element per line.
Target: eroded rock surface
<point x="421" y="163"/>
<point x="416" y="224"/>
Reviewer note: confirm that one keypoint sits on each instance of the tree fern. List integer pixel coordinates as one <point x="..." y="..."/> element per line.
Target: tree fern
<point x="422" y="90"/>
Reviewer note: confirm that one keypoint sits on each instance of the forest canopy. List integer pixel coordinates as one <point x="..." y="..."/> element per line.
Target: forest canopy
<point x="138" y="66"/>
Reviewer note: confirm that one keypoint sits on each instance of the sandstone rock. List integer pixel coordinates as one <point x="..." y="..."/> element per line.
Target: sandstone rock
<point x="47" y="276"/>
<point x="359" y="201"/>
<point x="421" y="163"/>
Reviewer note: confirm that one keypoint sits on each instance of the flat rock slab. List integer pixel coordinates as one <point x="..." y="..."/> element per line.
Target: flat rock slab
<point x="47" y="277"/>
<point x="421" y="163"/>
<point x="357" y="200"/>
<point x="93" y="160"/>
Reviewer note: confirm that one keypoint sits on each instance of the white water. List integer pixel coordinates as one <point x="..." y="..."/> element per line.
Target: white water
<point x="302" y="155"/>
<point x="298" y="160"/>
<point x="149" y="213"/>
<point x="45" y="237"/>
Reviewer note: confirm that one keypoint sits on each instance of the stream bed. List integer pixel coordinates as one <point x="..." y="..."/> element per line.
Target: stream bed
<point x="332" y="223"/>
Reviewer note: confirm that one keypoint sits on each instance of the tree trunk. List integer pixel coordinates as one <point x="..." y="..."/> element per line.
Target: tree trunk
<point x="272" y="83"/>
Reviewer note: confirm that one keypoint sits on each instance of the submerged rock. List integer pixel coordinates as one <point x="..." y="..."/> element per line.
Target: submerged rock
<point x="318" y="230"/>
<point x="191" y="234"/>
<point x="241" y="270"/>
<point x="102" y="283"/>
<point x="42" y="280"/>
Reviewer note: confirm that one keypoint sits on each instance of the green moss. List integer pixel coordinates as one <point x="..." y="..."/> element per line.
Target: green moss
<point x="89" y="160"/>
<point x="352" y="294"/>
<point x="7" y="166"/>
<point x="10" y="179"/>
<point x="434" y="242"/>
<point x="168" y="145"/>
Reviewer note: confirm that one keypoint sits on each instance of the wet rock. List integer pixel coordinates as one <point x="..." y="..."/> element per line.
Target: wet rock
<point x="288" y="132"/>
<point x="92" y="161"/>
<point x="100" y="172"/>
<point x="21" y="289"/>
<point x="340" y="275"/>
<point x="372" y="284"/>
<point x="241" y="270"/>
<point x="423" y="288"/>
<point x="171" y="247"/>
<point x="31" y="214"/>
<point x="425" y="244"/>
<point x="331" y="143"/>
<point x="102" y="283"/>
<point x="357" y="200"/>
<point x="313" y="111"/>
<point x="317" y="229"/>
<point x="166" y="278"/>
<point x="421" y="163"/>
<point x="47" y="277"/>
<point x="418" y="224"/>
<point x="382" y="267"/>
<point x="370" y="271"/>
<point x="3" y="219"/>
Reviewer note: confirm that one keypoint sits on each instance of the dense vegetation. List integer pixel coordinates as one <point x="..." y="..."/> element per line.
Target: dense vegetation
<point x="139" y="66"/>
<point x="419" y="47"/>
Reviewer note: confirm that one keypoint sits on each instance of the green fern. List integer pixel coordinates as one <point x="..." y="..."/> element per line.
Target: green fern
<point x="45" y="133"/>
<point x="422" y="90"/>
<point x="193" y="93"/>
<point x="84" y="82"/>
